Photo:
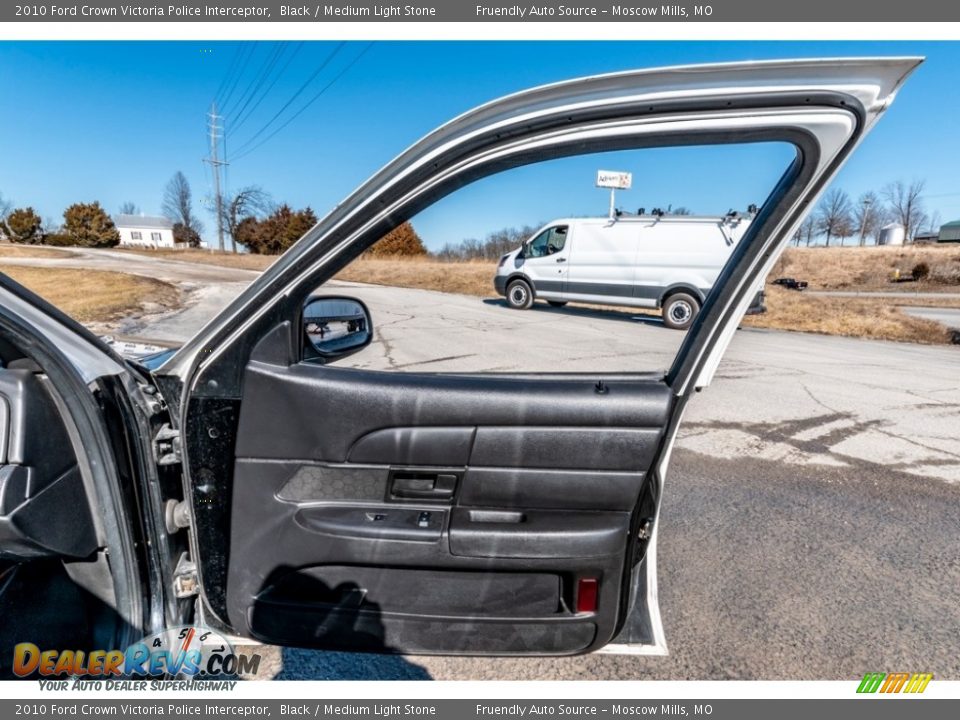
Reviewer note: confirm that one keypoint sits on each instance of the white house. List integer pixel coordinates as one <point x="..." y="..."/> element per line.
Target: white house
<point x="144" y="230"/>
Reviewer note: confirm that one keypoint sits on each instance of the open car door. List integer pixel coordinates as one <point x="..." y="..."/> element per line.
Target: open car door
<point x="476" y="513"/>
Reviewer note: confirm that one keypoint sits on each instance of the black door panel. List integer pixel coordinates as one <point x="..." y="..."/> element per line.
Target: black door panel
<point x="366" y="630"/>
<point x="325" y="410"/>
<point x="480" y="487"/>
<point x="275" y="543"/>
<point x="578" y="448"/>
<point x="43" y="503"/>
<point x="414" y="446"/>
<point x="549" y="489"/>
<point x="374" y="523"/>
<point x="401" y="590"/>
<point x="379" y="520"/>
<point x="537" y="534"/>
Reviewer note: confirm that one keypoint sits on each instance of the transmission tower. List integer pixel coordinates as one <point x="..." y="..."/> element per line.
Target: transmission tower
<point x="215" y="164"/>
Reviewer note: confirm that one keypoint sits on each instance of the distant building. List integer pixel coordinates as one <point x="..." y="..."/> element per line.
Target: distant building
<point x="892" y="234"/>
<point x="950" y="232"/>
<point x="926" y="237"/>
<point x="144" y="230"/>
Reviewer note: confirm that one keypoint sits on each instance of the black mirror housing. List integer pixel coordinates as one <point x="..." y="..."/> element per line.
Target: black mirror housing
<point x="335" y="327"/>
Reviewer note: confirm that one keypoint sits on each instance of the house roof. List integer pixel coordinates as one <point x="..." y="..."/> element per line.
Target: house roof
<point x="951" y="224"/>
<point x="142" y="221"/>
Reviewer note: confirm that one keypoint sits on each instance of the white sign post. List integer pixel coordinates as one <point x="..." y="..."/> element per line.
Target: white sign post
<point x="615" y="181"/>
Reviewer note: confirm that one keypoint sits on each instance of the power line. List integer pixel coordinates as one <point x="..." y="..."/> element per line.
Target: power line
<point x="251" y="49"/>
<point x="244" y="118"/>
<point x="230" y="79"/>
<point x="297" y="94"/>
<point x="259" y="78"/>
<point x="254" y="87"/>
<point x="244" y="152"/>
<point x="231" y="68"/>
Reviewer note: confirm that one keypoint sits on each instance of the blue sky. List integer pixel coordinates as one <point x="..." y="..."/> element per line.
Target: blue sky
<point x="112" y="121"/>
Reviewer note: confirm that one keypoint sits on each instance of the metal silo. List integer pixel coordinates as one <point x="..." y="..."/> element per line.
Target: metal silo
<point x="892" y="234"/>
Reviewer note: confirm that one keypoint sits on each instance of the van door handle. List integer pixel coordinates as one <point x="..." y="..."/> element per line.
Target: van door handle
<point x="561" y="259"/>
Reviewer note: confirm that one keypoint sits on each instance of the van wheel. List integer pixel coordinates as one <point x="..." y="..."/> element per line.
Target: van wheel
<point x="519" y="295"/>
<point x="556" y="303"/>
<point x="679" y="311"/>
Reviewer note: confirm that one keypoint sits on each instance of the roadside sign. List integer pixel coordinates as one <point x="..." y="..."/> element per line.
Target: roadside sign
<point x="614" y="180"/>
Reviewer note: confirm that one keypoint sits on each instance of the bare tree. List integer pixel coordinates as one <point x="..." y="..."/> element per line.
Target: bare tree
<point x="5" y="207"/>
<point x="490" y="248"/>
<point x="906" y="205"/>
<point x="50" y="226"/>
<point x="178" y="204"/>
<point x="834" y="215"/>
<point x="806" y="231"/>
<point x="250" y="201"/>
<point x="884" y="216"/>
<point x="845" y="230"/>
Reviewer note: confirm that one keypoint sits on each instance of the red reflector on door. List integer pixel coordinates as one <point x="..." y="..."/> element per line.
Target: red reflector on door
<point x="587" y="595"/>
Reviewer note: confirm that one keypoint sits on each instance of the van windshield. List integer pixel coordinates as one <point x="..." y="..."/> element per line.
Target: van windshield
<point x="550" y="241"/>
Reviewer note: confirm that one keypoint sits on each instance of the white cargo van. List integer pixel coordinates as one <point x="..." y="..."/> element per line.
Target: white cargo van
<point x="668" y="262"/>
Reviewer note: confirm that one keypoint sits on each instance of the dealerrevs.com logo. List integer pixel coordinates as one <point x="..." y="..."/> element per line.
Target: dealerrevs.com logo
<point x="888" y="683"/>
<point x="188" y="651"/>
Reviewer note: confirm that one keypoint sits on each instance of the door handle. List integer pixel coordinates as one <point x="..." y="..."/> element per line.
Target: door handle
<point x="561" y="259"/>
<point x="423" y="486"/>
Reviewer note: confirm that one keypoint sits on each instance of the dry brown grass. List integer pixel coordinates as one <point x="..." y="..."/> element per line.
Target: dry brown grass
<point x="871" y="268"/>
<point x="876" y="318"/>
<point x="468" y="278"/>
<point x="243" y="261"/>
<point x="32" y="251"/>
<point x="95" y="295"/>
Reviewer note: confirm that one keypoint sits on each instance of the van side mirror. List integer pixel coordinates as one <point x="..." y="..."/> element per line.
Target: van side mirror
<point x="335" y="327"/>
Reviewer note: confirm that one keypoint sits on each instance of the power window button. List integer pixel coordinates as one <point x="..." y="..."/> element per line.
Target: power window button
<point x="423" y="520"/>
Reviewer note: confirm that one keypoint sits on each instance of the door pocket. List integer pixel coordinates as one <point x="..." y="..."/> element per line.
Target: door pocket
<point x="421" y="592"/>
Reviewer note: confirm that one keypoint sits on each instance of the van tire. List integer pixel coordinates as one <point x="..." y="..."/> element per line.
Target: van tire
<point x="519" y="295"/>
<point x="556" y="303"/>
<point x="680" y="310"/>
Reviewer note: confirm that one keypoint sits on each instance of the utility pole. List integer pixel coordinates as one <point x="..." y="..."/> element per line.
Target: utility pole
<point x="863" y="223"/>
<point x="215" y="164"/>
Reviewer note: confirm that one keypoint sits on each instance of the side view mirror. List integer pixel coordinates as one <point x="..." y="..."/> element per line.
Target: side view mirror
<point x="335" y="327"/>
